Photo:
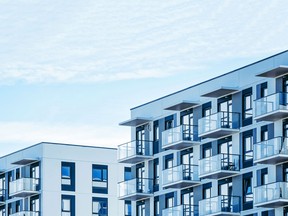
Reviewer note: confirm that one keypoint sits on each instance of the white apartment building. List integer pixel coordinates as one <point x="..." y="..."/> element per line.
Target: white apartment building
<point x="52" y="179"/>
<point x="219" y="147"/>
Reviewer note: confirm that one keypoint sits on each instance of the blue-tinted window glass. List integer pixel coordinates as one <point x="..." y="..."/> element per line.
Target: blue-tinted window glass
<point x="97" y="174"/>
<point x="66" y="172"/>
<point x="100" y="206"/>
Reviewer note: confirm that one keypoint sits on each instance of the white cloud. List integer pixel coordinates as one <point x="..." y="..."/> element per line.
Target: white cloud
<point x="92" y="41"/>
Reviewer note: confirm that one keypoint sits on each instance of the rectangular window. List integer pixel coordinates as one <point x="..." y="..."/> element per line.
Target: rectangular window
<point x="247" y="191"/>
<point x="207" y="190"/>
<point x="127" y="173"/>
<point x="128" y="209"/>
<point x="156" y="206"/>
<point x="156" y="171"/>
<point x="35" y="204"/>
<point x="68" y="176"/>
<point x="169" y="200"/>
<point x="248" y="148"/>
<point x="156" y="137"/>
<point x="100" y="179"/>
<point x="99" y="206"/>
<point x="169" y="122"/>
<point x="247" y="106"/>
<point x="168" y="161"/>
<point x="140" y="208"/>
<point x="68" y="205"/>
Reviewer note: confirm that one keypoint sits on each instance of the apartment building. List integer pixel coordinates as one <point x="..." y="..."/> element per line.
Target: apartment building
<point x="52" y="179"/>
<point x="216" y="148"/>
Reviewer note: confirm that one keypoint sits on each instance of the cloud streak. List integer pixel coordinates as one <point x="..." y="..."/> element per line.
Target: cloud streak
<point x="96" y="41"/>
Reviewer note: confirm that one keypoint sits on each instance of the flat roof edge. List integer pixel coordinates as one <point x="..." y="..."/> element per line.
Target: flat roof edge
<point x="277" y="54"/>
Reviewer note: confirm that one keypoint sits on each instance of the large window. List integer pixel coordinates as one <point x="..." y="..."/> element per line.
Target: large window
<point x="247" y="106"/>
<point x="248" y="148"/>
<point x="100" y="206"/>
<point x="247" y="191"/>
<point x="35" y="204"/>
<point x="68" y="176"/>
<point x="156" y="206"/>
<point x="207" y="190"/>
<point x="68" y="205"/>
<point x="156" y="170"/>
<point x="140" y="208"/>
<point x="128" y="208"/>
<point x="156" y="137"/>
<point x="100" y="178"/>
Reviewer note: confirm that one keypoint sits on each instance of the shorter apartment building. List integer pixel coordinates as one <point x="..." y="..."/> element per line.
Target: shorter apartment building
<point x="51" y="179"/>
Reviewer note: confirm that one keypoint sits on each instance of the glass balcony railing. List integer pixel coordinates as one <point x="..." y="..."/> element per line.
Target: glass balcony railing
<point x="220" y="204"/>
<point x="181" y="210"/>
<point x="270" y="193"/>
<point x="180" y="137"/>
<point x="271" y="151"/>
<point x="23" y="187"/>
<point x="135" y="151"/>
<point x="26" y="213"/>
<point x="180" y="173"/>
<point x="219" y="124"/>
<point x="135" y="188"/>
<point x="208" y="167"/>
<point x="271" y="107"/>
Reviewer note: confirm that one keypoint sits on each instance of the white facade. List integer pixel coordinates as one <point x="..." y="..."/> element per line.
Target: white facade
<point x="50" y="157"/>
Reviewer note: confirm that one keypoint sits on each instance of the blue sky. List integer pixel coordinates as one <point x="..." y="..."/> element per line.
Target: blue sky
<point x="71" y="70"/>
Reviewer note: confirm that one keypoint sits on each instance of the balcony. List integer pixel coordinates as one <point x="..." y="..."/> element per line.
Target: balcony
<point x="219" y="124"/>
<point x="272" y="107"/>
<point x="219" y="166"/>
<point x="221" y="205"/>
<point x="23" y="187"/>
<point x="180" y="137"/>
<point x="181" y="210"/>
<point x="135" y="151"/>
<point x="180" y="176"/>
<point x="26" y="213"/>
<point x="271" y="151"/>
<point x="272" y="195"/>
<point x="135" y="189"/>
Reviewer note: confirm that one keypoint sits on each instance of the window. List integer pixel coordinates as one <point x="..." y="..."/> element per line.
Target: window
<point x="248" y="148"/>
<point x="127" y="173"/>
<point x="169" y="122"/>
<point x="207" y="150"/>
<point x="35" y="204"/>
<point x="225" y="187"/>
<point x="264" y="176"/>
<point x="2" y="211"/>
<point x="128" y="208"/>
<point x="156" y="137"/>
<point x="247" y="191"/>
<point x="100" y="178"/>
<point x="156" y="206"/>
<point x="156" y="175"/>
<point x="169" y="200"/>
<point x="68" y="205"/>
<point x="68" y="176"/>
<point x="140" y="208"/>
<point x="168" y="161"/>
<point x="207" y="190"/>
<point x="187" y="199"/>
<point x="263" y="90"/>
<point x="247" y="106"/>
<point x="206" y="109"/>
<point x="99" y="206"/>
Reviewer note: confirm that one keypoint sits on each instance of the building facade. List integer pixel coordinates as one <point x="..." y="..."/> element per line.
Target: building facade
<point x="215" y="148"/>
<point x="50" y="179"/>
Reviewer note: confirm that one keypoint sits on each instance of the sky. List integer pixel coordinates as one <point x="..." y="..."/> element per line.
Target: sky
<point x="71" y="70"/>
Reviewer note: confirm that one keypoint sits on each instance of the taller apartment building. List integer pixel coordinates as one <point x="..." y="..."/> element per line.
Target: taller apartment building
<point x="216" y="148"/>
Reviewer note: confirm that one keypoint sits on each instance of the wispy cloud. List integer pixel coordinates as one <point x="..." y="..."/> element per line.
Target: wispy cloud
<point x="92" y="41"/>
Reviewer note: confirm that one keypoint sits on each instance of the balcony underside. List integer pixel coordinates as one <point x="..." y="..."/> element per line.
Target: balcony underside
<point x="221" y="132"/>
<point x="273" y="203"/>
<point x="224" y="214"/>
<point x="219" y="174"/>
<point x="181" y="145"/>
<point x="24" y="193"/>
<point x="181" y="184"/>
<point x="274" y="159"/>
<point x="273" y="116"/>
<point x="136" y="196"/>
<point x="135" y="159"/>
